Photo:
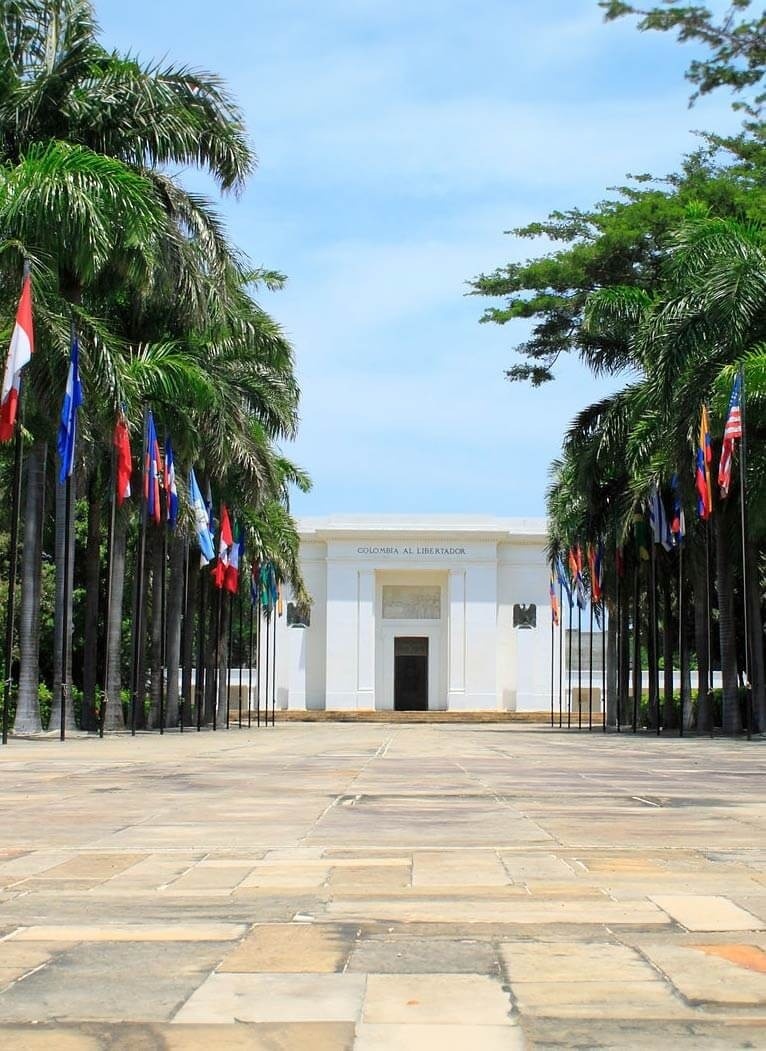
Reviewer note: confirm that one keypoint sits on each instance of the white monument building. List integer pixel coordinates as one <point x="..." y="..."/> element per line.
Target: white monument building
<point x="413" y="613"/>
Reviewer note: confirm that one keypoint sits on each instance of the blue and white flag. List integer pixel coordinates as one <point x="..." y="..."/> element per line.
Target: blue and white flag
<point x="201" y="521"/>
<point x="171" y="489"/>
<point x="658" y="520"/>
<point x="67" y="433"/>
<point x="563" y="582"/>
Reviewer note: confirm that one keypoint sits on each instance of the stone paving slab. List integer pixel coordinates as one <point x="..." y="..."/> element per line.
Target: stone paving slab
<point x="436" y="999"/>
<point x="699" y="912"/>
<point x="438" y="1038"/>
<point x="290" y="948"/>
<point x="723" y="974"/>
<point x="225" y="998"/>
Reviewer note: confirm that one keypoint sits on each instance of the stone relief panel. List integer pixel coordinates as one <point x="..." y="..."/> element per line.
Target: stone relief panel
<point x="412" y="602"/>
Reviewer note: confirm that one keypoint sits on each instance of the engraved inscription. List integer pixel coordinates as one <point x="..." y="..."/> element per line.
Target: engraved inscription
<point x="410" y="602"/>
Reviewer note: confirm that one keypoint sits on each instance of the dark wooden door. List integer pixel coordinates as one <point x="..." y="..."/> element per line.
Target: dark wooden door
<point x="411" y="675"/>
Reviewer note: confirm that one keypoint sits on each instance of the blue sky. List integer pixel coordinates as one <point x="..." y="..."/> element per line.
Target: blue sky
<point x="397" y="141"/>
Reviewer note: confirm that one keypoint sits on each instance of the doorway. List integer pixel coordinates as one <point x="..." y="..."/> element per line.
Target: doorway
<point x="411" y="674"/>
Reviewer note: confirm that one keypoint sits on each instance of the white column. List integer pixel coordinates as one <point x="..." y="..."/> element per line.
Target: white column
<point x="342" y="633"/>
<point x="365" y="685"/>
<point x="456" y="627"/>
<point x="481" y="639"/>
<point x="296" y="645"/>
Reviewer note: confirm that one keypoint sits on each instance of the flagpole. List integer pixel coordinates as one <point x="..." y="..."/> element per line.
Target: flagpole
<point x="10" y="610"/>
<point x="138" y="608"/>
<point x="239" y="625"/>
<point x="709" y="629"/>
<point x="109" y="568"/>
<point x="274" y="674"/>
<point x="603" y="662"/>
<point x="228" y="657"/>
<point x="618" y="640"/>
<point x="654" y="662"/>
<point x="561" y="653"/>
<point x="638" y="678"/>
<point x="258" y="665"/>
<point x="579" y="665"/>
<point x="184" y="644"/>
<point x="553" y="660"/>
<point x="681" y="646"/>
<point x="217" y="669"/>
<point x="745" y="566"/>
<point x="163" y="625"/>
<point x="590" y="676"/>
<point x="569" y="668"/>
<point x="250" y="665"/>
<point x="266" y="669"/>
<point x="199" y="685"/>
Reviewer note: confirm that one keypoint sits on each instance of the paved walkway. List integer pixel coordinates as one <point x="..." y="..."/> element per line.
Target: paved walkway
<point x="382" y="887"/>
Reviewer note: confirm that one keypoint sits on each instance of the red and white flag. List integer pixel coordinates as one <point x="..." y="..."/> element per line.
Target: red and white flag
<point x="732" y="433"/>
<point x="123" y="460"/>
<point x="225" y="544"/>
<point x="22" y="345"/>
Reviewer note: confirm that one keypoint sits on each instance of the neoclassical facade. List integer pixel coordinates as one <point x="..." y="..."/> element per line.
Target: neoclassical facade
<point x="418" y="613"/>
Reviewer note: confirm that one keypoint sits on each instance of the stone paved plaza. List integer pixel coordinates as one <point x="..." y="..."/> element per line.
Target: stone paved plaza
<point x="331" y="886"/>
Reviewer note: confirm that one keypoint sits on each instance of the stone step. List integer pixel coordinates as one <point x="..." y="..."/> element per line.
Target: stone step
<point x="398" y="717"/>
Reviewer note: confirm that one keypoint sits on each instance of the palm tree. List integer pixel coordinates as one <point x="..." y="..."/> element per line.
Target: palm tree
<point x="61" y="87"/>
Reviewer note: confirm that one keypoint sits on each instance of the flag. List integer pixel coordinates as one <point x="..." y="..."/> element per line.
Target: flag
<point x="123" y="460"/>
<point x="269" y="593"/>
<point x="678" y="519"/>
<point x="641" y="536"/>
<point x="554" y="601"/>
<point x="231" y="577"/>
<point x="732" y="433"/>
<point x="702" y="473"/>
<point x="171" y="489"/>
<point x="658" y="519"/>
<point x="67" y="432"/>
<point x="152" y="471"/>
<point x="255" y="583"/>
<point x="280" y="603"/>
<point x="209" y="509"/>
<point x="575" y="569"/>
<point x="201" y="521"/>
<point x="563" y="582"/>
<point x="595" y="569"/>
<point x="19" y="354"/>
<point x="225" y="544"/>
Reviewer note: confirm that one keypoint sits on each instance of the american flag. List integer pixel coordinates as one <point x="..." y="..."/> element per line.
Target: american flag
<point x="731" y="434"/>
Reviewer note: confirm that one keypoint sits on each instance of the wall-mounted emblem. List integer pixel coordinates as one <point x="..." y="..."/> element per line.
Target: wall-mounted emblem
<point x="298" y="616"/>
<point x="525" y="616"/>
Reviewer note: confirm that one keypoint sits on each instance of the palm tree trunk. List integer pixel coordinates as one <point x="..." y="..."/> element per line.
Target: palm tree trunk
<point x="624" y="673"/>
<point x="757" y="671"/>
<point x="92" y="604"/>
<point x="211" y="652"/>
<point x="174" y="615"/>
<point x="732" y="722"/>
<point x="223" y="693"/>
<point x="612" y="668"/>
<point x="62" y="656"/>
<point x="27" y="708"/>
<point x="187" y="644"/>
<point x="113" y="716"/>
<point x="669" y="719"/>
<point x="155" y="665"/>
<point x="698" y="553"/>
